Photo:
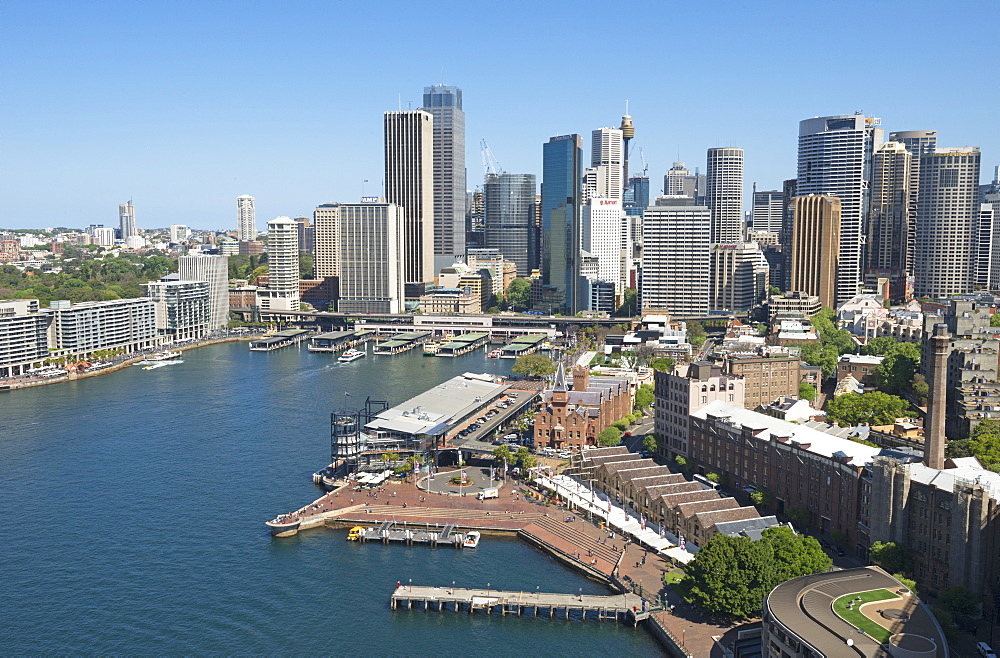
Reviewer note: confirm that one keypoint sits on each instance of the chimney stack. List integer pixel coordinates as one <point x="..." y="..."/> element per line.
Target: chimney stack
<point x="934" y="437"/>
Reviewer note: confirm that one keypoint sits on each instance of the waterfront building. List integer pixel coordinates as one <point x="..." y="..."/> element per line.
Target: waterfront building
<point x="800" y="621"/>
<point x="562" y="170"/>
<point x="835" y="158"/>
<point x="183" y="311"/>
<point x="947" y="209"/>
<point x="409" y="185"/>
<point x="23" y="336"/>
<point x="816" y="246"/>
<point x="508" y="208"/>
<point x="215" y="271"/>
<point x="890" y="222"/>
<point x="680" y="393"/>
<point x="676" y="263"/>
<point x="372" y="258"/>
<point x="79" y="329"/>
<point x="724" y="194"/>
<point x="768" y="373"/>
<point x="246" y="219"/>
<point x="765" y="213"/>
<point x="573" y="417"/>
<point x="126" y="220"/>
<point x="444" y="104"/>
<point x="606" y="237"/>
<point x="740" y="277"/>
<point x="282" y="292"/>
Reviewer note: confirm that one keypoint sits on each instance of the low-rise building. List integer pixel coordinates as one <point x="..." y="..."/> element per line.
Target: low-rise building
<point x="572" y="418"/>
<point x="79" y="329"/>
<point x="679" y="393"/>
<point x="798" y="303"/>
<point x="860" y="366"/>
<point x="767" y="375"/>
<point x="182" y="308"/>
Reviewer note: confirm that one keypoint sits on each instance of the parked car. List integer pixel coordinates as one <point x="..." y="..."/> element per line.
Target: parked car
<point x="985" y="651"/>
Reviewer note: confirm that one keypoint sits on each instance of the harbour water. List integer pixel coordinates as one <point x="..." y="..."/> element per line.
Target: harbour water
<point x="135" y="504"/>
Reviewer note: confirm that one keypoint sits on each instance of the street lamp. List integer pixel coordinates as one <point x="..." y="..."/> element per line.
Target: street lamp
<point x="453" y="587"/>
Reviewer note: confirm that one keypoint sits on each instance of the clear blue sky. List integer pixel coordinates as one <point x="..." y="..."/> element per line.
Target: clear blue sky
<point x="183" y="106"/>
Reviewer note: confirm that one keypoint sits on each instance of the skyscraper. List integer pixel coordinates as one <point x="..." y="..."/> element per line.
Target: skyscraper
<point x="325" y="220"/>
<point x="947" y="210"/>
<point x="605" y="236"/>
<point x="724" y="194"/>
<point x="606" y="158"/>
<point x="444" y="103"/>
<point x="126" y="220"/>
<point x="835" y="158"/>
<point x="508" y="203"/>
<point x="765" y="214"/>
<point x="372" y="267"/>
<point x="215" y="271"/>
<point x="679" y="181"/>
<point x="917" y="143"/>
<point x="246" y="219"/>
<point x="409" y="183"/>
<point x="676" y="268"/>
<point x="282" y="293"/>
<point x="739" y="277"/>
<point x="889" y="221"/>
<point x="816" y="240"/>
<point x="307" y="235"/>
<point x="562" y="169"/>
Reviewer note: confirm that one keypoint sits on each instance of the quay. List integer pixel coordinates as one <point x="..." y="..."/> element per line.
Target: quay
<point x="401" y="342"/>
<point x="278" y="340"/>
<point x="335" y="341"/>
<point x="390" y="531"/>
<point x="463" y="344"/>
<point x="619" y="607"/>
<point x="523" y="345"/>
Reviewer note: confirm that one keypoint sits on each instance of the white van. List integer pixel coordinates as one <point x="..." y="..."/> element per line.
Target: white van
<point x="486" y="494"/>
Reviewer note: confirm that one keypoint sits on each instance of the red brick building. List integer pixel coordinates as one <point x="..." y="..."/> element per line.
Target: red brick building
<point x="574" y="417"/>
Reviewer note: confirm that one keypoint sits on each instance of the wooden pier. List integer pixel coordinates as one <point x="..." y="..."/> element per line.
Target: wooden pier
<point x="279" y="339"/>
<point x="463" y="344"/>
<point x="617" y="607"/>
<point x="402" y="342"/>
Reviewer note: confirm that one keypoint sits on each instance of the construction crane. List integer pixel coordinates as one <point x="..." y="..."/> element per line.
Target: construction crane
<point x="490" y="164"/>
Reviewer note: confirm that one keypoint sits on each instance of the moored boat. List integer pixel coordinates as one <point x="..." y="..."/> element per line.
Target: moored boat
<point x="431" y="349"/>
<point x="495" y="354"/>
<point x="351" y="355"/>
<point x="164" y="356"/>
<point x="471" y="539"/>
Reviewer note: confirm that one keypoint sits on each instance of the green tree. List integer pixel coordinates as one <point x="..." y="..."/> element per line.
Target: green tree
<point x="995" y="320"/>
<point x="696" y="333"/>
<point x="959" y="600"/>
<point x="897" y="368"/>
<point x="610" y="436"/>
<point x="825" y="323"/>
<point x="629" y="307"/>
<point x="879" y="346"/>
<point x="909" y="583"/>
<point x="533" y="365"/>
<point x="773" y="290"/>
<point x="620" y="425"/>
<point x="919" y="388"/>
<point x="891" y="556"/>
<point x="714" y="477"/>
<point x="257" y="273"/>
<point x="649" y="442"/>
<point x="761" y="497"/>
<point x="663" y="364"/>
<point x="644" y="397"/>
<point x="799" y="516"/>
<point x="875" y="408"/>
<point x="824" y="356"/>
<point x="984" y="442"/>
<point x="795" y="554"/>
<point x="503" y="453"/>
<point x="306" y="265"/>
<point x="730" y="576"/>
<point x="681" y="462"/>
<point x="519" y="294"/>
<point x="807" y="391"/>
<point x="522" y="454"/>
<point x="390" y="456"/>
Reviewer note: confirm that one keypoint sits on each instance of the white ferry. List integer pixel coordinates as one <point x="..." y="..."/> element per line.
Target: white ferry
<point x="431" y="348"/>
<point x="350" y="355"/>
<point x="164" y="356"/>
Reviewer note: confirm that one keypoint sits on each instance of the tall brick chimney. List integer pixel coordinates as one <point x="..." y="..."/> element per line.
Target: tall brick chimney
<point x="934" y="438"/>
<point x="581" y="378"/>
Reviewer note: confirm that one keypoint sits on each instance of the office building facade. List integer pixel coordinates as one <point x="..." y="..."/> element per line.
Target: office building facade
<point x="562" y="169"/>
<point x="740" y="277"/>
<point x="126" y="220"/>
<point x="815" y="247"/>
<point x="182" y="308"/>
<point x="917" y="144"/>
<point x="606" y="158"/>
<point x="444" y="103"/>
<point x="508" y="207"/>
<point x="724" y="194"/>
<point x="676" y="264"/>
<point x="947" y="209"/>
<point x="765" y="214"/>
<point x="889" y="223"/>
<point x="835" y="158"/>
<point x="214" y="270"/>
<point x="325" y="222"/>
<point x="606" y="236"/>
<point x="409" y="184"/>
<point x="372" y="258"/>
<point x="246" y="219"/>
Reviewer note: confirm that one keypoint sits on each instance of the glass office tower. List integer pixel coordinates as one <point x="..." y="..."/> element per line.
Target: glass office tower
<point x="562" y="171"/>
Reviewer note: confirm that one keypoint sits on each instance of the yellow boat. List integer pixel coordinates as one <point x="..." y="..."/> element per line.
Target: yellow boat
<point x="355" y="533"/>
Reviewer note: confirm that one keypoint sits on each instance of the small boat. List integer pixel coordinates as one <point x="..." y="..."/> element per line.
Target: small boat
<point x="431" y="349"/>
<point x="351" y="355"/>
<point x="471" y="539"/>
<point x="495" y="354"/>
<point x="164" y="356"/>
<point x="160" y="364"/>
<point x="355" y="533"/>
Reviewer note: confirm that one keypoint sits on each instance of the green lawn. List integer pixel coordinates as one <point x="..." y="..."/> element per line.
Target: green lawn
<point x="673" y="577"/>
<point x="855" y="618"/>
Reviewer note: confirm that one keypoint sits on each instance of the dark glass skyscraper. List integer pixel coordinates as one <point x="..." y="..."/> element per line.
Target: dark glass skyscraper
<point x="562" y="171"/>
<point x="509" y="203"/>
<point x="444" y="103"/>
<point x="637" y="195"/>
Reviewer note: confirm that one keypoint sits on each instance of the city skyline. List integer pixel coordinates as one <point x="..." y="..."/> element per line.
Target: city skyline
<point x="213" y="114"/>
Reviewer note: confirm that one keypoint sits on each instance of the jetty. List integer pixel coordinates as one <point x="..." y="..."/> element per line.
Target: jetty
<point x="523" y="345"/>
<point x="336" y="341"/>
<point x="432" y="534"/>
<point x="618" y="607"/>
<point x="402" y="342"/>
<point x="278" y="340"/>
<point x="463" y="344"/>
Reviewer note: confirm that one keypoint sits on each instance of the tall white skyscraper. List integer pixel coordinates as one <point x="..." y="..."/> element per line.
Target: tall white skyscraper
<point x="724" y="196"/>
<point x="126" y="220"/>
<point x="444" y="103"/>
<point x="676" y="264"/>
<point x="606" y="237"/>
<point x="325" y="254"/>
<point x="835" y="158"/>
<point x="372" y="257"/>
<point x="765" y="214"/>
<point x="246" y="219"/>
<point x="947" y="212"/>
<point x="215" y="271"/>
<point x="409" y="183"/>
<point x="282" y="292"/>
<point x="606" y="157"/>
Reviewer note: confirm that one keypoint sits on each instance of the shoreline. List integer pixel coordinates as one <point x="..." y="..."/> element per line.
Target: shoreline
<point x="75" y="376"/>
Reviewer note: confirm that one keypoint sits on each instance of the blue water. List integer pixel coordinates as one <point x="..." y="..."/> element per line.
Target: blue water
<point x="135" y="504"/>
